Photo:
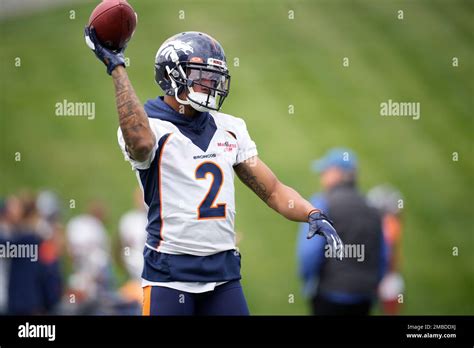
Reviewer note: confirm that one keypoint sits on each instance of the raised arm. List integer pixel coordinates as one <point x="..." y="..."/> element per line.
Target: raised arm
<point x="133" y="120"/>
<point x="138" y="136"/>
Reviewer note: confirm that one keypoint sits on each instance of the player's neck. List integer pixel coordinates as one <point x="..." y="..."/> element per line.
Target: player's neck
<point x="185" y="110"/>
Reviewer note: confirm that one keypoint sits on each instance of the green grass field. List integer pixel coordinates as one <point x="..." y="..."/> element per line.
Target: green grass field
<point x="282" y="62"/>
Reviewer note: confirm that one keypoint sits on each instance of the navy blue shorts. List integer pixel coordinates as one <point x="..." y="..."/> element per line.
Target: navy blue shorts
<point x="225" y="299"/>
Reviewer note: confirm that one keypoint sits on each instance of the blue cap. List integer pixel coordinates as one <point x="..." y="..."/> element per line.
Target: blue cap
<point x="341" y="158"/>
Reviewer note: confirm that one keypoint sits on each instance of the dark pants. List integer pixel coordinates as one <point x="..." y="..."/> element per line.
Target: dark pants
<point x="225" y="299"/>
<point x="323" y="306"/>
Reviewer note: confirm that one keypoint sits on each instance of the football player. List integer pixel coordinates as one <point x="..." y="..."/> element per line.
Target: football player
<point x="185" y="153"/>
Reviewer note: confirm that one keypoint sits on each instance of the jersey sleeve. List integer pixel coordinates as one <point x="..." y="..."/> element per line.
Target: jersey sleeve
<point x="246" y="146"/>
<point x="137" y="164"/>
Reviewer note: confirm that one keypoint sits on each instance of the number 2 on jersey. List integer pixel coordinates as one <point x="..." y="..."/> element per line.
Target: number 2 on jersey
<point x="208" y="209"/>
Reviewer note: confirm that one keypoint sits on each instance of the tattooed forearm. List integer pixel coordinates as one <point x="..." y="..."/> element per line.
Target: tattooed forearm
<point x="283" y="199"/>
<point x="244" y="172"/>
<point x="132" y="117"/>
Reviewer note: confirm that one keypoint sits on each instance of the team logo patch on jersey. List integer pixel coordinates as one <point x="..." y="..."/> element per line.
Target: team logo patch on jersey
<point x="228" y="147"/>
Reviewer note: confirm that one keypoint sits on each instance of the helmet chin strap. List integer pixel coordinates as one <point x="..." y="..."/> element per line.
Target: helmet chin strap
<point x="178" y="99"/>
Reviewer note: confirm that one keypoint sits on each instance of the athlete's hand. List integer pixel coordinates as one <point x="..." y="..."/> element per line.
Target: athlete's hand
<point x="320" y="224"/>
<point x="110" y="58"/>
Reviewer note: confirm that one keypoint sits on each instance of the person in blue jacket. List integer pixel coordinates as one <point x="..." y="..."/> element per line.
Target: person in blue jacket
<point x="347" y="287"/>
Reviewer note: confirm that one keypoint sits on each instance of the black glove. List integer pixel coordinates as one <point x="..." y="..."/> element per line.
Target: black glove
<point x="110" y="58"/>
<point x="320" y="224"/>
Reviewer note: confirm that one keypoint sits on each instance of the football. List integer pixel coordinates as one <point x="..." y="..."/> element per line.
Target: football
<point x="114" y="22"/>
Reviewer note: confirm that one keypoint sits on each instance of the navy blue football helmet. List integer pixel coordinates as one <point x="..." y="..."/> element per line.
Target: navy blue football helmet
<point x="192" y="59"/>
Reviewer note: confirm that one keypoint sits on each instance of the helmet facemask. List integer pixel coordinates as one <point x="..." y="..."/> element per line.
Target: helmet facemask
<point x="212" y="80"/>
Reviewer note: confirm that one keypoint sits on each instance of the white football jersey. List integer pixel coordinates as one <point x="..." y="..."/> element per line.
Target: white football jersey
<point x="188" y="185"/>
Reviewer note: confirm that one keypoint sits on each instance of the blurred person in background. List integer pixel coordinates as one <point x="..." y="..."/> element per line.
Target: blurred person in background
<point x="34" y="280"/>
<point x="347" y="287"/>
<point x="92" y="287"/>
<point x="89" y="247"/>
<point x="10" y="217"/>
<point x="132" y="234"/>
<point x="51" y="231"/>
<point x="50" y="226"/>
<point x="132" y="237"/>
<point x="389" y="202"/>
